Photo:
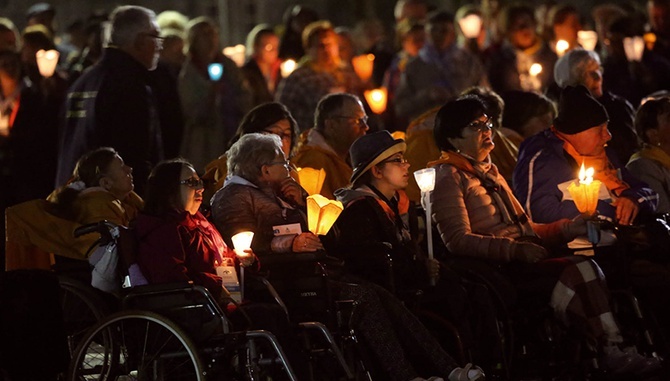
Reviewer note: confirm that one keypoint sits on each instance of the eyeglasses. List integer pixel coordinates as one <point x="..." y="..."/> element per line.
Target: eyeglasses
<point x="285" y="163"/>
<point x="193" y="182"/>
<point x="159" y="39"/>
<point x="283" y="135"/>
<point x="396" y="160"/>
<point x="481" y="126"/>
<point x="362" y="121"/>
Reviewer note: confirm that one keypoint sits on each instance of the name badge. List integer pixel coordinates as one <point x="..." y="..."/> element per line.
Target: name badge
<point x="288" y="229"/>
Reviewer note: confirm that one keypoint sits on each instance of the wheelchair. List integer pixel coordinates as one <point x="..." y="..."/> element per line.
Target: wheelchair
<point x="178" y="332"/>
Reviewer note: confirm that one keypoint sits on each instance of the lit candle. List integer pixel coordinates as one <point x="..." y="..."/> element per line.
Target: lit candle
<point x="425" y="179"/>
<point x="470" y="25"/>
<point x="236" y="53"/>
<point x="585" y="192"/>
<point x="587" y="39"/>
<point x="287" y="68"/>
<point x="47" y="61"/>
<point x="241" y="242"/>
<point x="322" y="213"/>
<point x="634" y="47"/>
<point x="649" y="40"/>
<point x="376" y="99"/>
<point x="311" y="179"/>
<point x="561" y="47"/>
<point x="363" y="65"/>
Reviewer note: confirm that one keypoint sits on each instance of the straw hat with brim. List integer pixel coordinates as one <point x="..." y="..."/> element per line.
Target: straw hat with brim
<point x="371" y="149"/>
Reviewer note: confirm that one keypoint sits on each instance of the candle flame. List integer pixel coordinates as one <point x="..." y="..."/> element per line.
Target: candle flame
<point x="561" y="47"/>
<point x="535" y="69"/>
<point x="586" y="175"/>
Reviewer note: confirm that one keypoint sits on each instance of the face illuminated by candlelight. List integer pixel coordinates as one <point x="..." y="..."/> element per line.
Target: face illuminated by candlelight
<point x="477" y="138"/>
<point x="590" y="142"/>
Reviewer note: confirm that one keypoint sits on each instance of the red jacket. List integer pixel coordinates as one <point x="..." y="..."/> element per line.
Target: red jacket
<point x="180" y="247"/>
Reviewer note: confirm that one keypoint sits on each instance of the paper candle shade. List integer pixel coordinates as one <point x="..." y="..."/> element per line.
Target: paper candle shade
<point x="363" y="65"/>
<point x="425" y="179"/>
<point x="236" y="53"/>
<point x="561" y="47"/>
<point x="376" y="99"/>
<point x="587" y="39"/>
<point x="47" y="61"/>
<point x="241" y="242"/>
<point x="311" y="179"/>
<point x="470" y="25"/>
<point x="633" y="47"/>
<point x="322" y="213"/>
<point x="287" y="68"/>
<point x="585" y="192"/>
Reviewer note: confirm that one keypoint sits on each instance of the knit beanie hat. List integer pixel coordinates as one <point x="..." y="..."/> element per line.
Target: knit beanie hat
<point x="454" y="116"/>
<point x="578" y="111"/>
<point x="371" y="149"/>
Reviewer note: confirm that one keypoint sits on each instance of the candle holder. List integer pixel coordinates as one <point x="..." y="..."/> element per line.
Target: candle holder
<point x="322" y="213"/>
<point x="287" y="67"/>
<point x="241" y="242"/>
<point x="363" y="66"/>
<point x="47" y="60"/>
<point x="634" y="48"/>
<point x="425" y="179"/>
<point x="236" y="53"/>
<point x="585" y="192"/>
<point x="588" y="39"/>
<point x="311" y="179"/>
<point x="377" y="99"/>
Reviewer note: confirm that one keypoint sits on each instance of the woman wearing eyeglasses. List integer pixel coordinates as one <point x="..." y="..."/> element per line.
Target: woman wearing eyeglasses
<point x="486" y="230"/>
<point x="176" y="242"/>
<point x="377" y="212"/>
<point x="259" y="195"/>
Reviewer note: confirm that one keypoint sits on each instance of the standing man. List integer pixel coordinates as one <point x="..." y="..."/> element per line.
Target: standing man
<point x="339" y="120"/>
<point x="112" y="104"/>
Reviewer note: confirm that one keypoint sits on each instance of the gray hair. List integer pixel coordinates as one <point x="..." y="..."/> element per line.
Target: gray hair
<point x="127" y="22"/>
<point x="569" y="69"/>
<point x="251" y="152"/>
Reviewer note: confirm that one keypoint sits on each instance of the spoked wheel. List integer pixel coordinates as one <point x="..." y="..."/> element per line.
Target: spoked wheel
<point x="136" y="345"/>
<point x="81" y="309"/>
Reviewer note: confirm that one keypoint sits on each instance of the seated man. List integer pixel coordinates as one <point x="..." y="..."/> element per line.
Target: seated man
<point x="339" y="120"/>
<point x="549" y="161"/>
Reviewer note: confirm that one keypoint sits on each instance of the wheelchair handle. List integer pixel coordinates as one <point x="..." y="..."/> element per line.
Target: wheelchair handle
<point x="108" y="231"/>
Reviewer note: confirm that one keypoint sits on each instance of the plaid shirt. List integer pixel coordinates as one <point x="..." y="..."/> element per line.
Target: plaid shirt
<point x="303" y="89"/>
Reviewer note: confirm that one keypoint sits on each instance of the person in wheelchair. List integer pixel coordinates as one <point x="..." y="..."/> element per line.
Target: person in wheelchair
<point x="261" y="197"/>
<point x="176" y="243"/>
<point x="101" y="188"/>
<point x="478" y="217"/>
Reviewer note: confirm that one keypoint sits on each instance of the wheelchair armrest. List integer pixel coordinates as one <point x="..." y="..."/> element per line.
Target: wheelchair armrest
<point x="284" y="258"/>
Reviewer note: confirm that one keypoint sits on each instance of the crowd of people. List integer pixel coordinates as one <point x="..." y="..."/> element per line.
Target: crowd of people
<point x="146" y="123"/>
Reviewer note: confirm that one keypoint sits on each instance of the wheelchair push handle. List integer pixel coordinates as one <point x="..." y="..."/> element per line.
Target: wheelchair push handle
<point x="108" y="231"/>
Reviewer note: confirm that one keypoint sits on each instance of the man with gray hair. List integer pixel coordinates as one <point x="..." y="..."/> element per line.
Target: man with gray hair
<point x="112" y="103"/>
<point x="582" y="67"/>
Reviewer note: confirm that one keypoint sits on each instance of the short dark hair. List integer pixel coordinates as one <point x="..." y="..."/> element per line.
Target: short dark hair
<point x="647" y="115"/>
<point x="263" y="116"/>
<point x="330" y="105"/>
<point x="494" y="103"/>
<point x="162" y="193"/>
<point x="453" y="117"/>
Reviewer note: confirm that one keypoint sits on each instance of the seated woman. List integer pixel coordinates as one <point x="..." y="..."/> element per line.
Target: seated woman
<point x="176" y="243"/>
<point x="652" y="163"/>
<point x="101" y="188"/>
<point x="478" y="217"/>
<point x="260" y="196"/>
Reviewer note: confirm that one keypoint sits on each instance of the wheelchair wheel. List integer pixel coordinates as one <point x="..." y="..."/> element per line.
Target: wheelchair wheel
<point x="81" y="309"/>
<point x="136" y="345"/>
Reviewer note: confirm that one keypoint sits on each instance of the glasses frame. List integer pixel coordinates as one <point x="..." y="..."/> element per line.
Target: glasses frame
<point x="285" y="163"/>
<point x="479" y="126"/>
<point x="191" y="182"/>
<point x="362" y="121"/>
<point x="396" y="160"/>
